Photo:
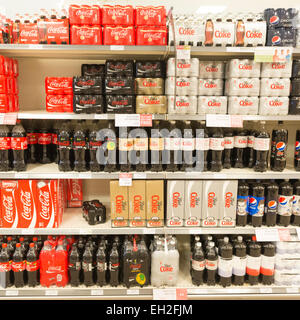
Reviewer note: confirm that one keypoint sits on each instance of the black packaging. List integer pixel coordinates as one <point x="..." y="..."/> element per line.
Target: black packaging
<point x="119" y="67"/>
<point x="294" y="105"/>
<point x="150" y="69"/>
<point x="92" y="70"/>
<point x="84" y="103"/>
<point x="296" y="69"/>
<point x="94" y="212"/>
<point x="119" y="85"/>
<point x="295" y="87"/>
<point x="120" y="104"/>
<point x="88" y="85"/>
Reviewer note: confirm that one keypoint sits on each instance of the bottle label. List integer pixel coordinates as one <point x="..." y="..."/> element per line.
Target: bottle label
<point x="87" y="266"/>
<point x="250" y="141"/>
<point x="45" y="138"/>
<point x="240" y="142"/>
<point x="285" y="204"/>
<point x="239" y="265"/>
<point x="141" y="144"/>
<point x="125" y="144"/>
<point x="261" y="144"/>
<point x="225" y="267"/>
<point x="79" y="143"/>
<point x="211" y="264"/>
<point x="172" y="143"/>
<point x="202" y="144"/>
<point x="32" y="138"/>
<point x="94" y="145"/>
<point x="253" y="265"/>
<point x="242" y="205"/>
<point x="33" y="265"/>
<point x="18" y="266"/>
<point x="187" y="144"/>
<point x="19" y="143"/>
<point x="198" y="265"/>
<point x="296" y="205"/>
<point x="101" y="266"/>
<point x="5" y="143"/>
<point x="63" y="143"/>
<point x="279" y="150"/>
<point x="228" y="142"/>
<point x="114" y="266"/>
<point x="297" y="150"/>
<point x="256" y="206"/>
<point x="267" y="265"/>
<point x="156" y="144"/>
<point x="5" y="266"/>
<point x="216" y="144"/>
<point x="54" y="138"/>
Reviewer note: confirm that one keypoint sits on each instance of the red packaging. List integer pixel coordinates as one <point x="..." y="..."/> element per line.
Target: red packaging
<point x="117" y="15"/>
<point x="4" y="65"/>
<point x="59" y="103"/>
<point x="75" y="194"/>
<point x="4" y="84"/>
<point x="15" y="103"/>
<point x="156" y="36"/>
<point x="57" y="31"/>
<point x="86" y="35"/>
<point x="84" y="14"/>
<point x="5" y="103"/>
<point x="9" y="209"/>
<point x="150" y="16"/>
<point x="16" y="67"/>
<point x="59" y="85"/>
<point x="14" y="85"/>
<point x="118" y="35"/>
<point x="10" y="67"/>
<point x="28" y="33"/>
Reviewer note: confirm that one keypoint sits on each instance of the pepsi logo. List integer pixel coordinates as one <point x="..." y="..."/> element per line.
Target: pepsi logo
<point x="280" y="146"/>
<point x="272" y="204"/>
<point x="282" y="201"/>
<point x="297" y="145"/>
<point x="294" y="200"/>
<point x="276" y="40"/>
<point x="252" y="202"/>
<point x="274" y="20"/>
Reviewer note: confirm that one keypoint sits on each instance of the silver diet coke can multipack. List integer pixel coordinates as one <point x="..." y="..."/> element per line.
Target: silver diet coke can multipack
<point x="219" y="32"/>
<point x="212" y="69"/>
<point x="184" y="67"/>
<point x="210" y="87"/>
<point x="182" y="104"/>
<point x="275" y="87"/>
<point x="212" y="105"/>
<point x="242" y="68"/>
<point x="273" y="105"/>
<point x="243" y="105"/>
<point x="276" y="70"/>
<point x="185" y="86"/>
<point x="242" y="87"/>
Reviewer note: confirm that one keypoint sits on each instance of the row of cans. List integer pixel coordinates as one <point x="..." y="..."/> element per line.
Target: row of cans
<point x="236" y="105"/>
<point x="235" y="68"/>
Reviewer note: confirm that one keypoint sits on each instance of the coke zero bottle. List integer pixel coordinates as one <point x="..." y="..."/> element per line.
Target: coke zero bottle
<point x="240" y="145"/>
<point x="44" y="144"/>
<point x="114" y="266"/>
<point x="216" y="146"/>
<point x="125" y="146"/>
<point x="32" y="139"/>
<point x="211" y="264"/>
<point x="201" y="145"/>
<point x="239" y="261"/>
<point x="198" y="264"/>
<point x="257" y="204"/>
<point x="87" y="266"/>
<point x="101" y="266"/>
<point x="74" y="266"/>
<point x="5" y="265"/>
<point x="271" y="205"/>
<point x="18" y="266"/>
<point x="268" y="263"/>
<point x="242" y="204"/>
<point x="228" y="148"/>
<point x="5" y="146"/>
<point x="94" y="144"/>
<point x="32" y="266"/>
<point x="19" y="147"/>
<point x="253" y="261"/>
<point x="64" y="147"/>
<point x="156" y="146"/>
<point x="285" y="203"/>
<point x="225" y="263"/>
<point x="297" y="151"/>
<point x="79" y="147"/>
<point x="296" y="204"/>
<point x="110" y="148"/>
<point x="261" y="147"/>
<point x="55" y="133"/>
<point x="278" y="148"/>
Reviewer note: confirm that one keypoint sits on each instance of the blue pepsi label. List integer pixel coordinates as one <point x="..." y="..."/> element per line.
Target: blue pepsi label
<point x="256" y="206"/>
<point x="242" y="205"/>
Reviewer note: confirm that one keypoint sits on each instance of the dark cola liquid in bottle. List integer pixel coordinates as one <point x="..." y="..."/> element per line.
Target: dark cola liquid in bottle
<point x="32" y="266"/>
<point x="139" y="154"/>
<point x="64" y="148"/>
<point x="32" y="140"/>
<point x="5" y="265"/>
<point x="279" y="148"/>
<point x="79" y="147"/>
<point x="5" y="146"/>
<point x="173" y="147"/>
<point x="87" y="266"/>
<point x="257" y="204"/>
<point x="240" y="145"/>
<point x="216" y="146"/>
<point x="228" y="148"/>
<point x="55" y="133"/>
<point x="18" y="266"/>
<point x="110" y="148"/>
<point x="296" y="204"/>
<point x="261" y="147"/>
<point x="242" y="207"/>
<point x="297" y="151"/>
<point x="201" y="145"/>
<point x="198" y="264"/>
<point x="94" y="144"/>
<point x="125" y="146"/>
<point x="156" y="146"/>
<point x="101" y="266"/>
<point x="225" y="263"/>
<point x="268" y="263"/>
<point x="239" y="261"/>
<point x="285" y="203"/>
<point x="44" y="144"/>
<point x="74" y="266"/>
<point x="19" y="147"/>
<point x="114" y="266"/>
<point x="271" y="205"/>
<point x="250" y="154"/>
<point x="187" y="146"/>
<point x="211" y="264"/>
<point x="253" y="261"/>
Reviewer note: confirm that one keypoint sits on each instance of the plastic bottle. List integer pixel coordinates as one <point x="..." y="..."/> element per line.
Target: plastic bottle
<point x="297" y="152"/>
<point x="32" y="266"/>
<point x="94" y="144"/>
<point x="239" y="261"/>
<point x="55" y="132"/>
<point x="125" y="146"/>
<point x="225" y="263"/>
<point x="101" y="267"/>
<point x="228" y="148"/>
<point x="279" y="148"/>
<point x="271" y="204"/>
<point x="250" y="153"/>
<point x="87" y="266"/>
<point x="156" y="147"/>
<point x="253" y="261"/>
<point x="64" y="148"/>
<point x="5" y="265"/>
<point x="268" y="263"/>
<point x="74" y="266"/>
<point x="296" y="204"/>
<point x="144" y="259"/>
<point x="173" y="145"/>
<point x="285" y="203"/>
<point x="261" y="147"/>
<point x="257" y="204"/>
<point x="240" y="145"/>
<point x="44" y="144"/>
<point x="211" y="264"/>
<point x="198" y="264"/>
<point x="110" y="145"/>
<point x="79" y="147"/>
<point x="201" y="145"/>
<point x="18" y="266"/>
<point x="242" y="206"/>
<point x="32" y="139"/>
<point x="114" y="266"/>
<point x="19" y="147"/>
<point x="187" y="146"/>
<point x="216" y="146"/>
<point x="5" y="147"/>
<point x="157" y="259"/>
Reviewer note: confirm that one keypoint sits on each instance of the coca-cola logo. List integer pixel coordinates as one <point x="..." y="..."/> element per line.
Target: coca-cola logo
<point x="152" y="35"/>
<point x="210" y="85"/>
<point x="275" y="103"/>
<point x="192" y="223"/>
<point x="116" y="83"/>
<point x="76" y="190"/>
<point x="211" y="198"/>
<point x="117" y="12"/>
<point x="59" y="84"/>
<point x="119" y="102"/>
<point x="57" y="29"/>
<point x="44" y="199"/>
<point x="193" y="199"/>
<point x="211" y="69"/>
<point x="210" y="223"/>
<point x="8" y="208"/>
<point x="137" y="203"/>
<point x="245" y="66"/>
<point x="27" y="204"/>
<point x="254" y="34"/>
<point x="166" y="268"/>
<point x="29" y="33"/>
<point x="245" y="85"/>
<point x="186" y="31"/>
<point x="121" y="33"/>
<point x="45" y="138"/>
<point x="214" y="103"/>
<point x="151" y="13"/>
<point x="119" y="203"/>
<point x="89" y="101"/>
<point x="83" y="13"/>
<point x="183" y="65"/>
<point x="183" y="83"/>
<point x="176" y="196"/>
<point x="149" y="84"/>
<point x="278" y="66"/>
<point x="154" y="202"/>
<point x="86" y="83"/>
<point x="86" y="33"/>
<point x="58" y="100"/>
<point x="222" y="34"/>
<point x="228" y="196"/>
<point x="245" y="103"/>
<point x="151" y="101"/>
<point x="277" y="86"/>
<point x="182" y="104"/>
<point x="226" y="223"/>
<point x="175" y="222"/>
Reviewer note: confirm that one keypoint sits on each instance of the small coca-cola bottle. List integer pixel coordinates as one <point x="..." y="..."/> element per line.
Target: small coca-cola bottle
<point x="32" y="265"/>
<point x="44" y="144"/>
<point x="74" y="266"/>
<point x="18" y="266"/>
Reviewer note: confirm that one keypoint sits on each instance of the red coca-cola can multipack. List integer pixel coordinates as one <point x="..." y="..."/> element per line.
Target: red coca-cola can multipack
<point x="28" y="33"/>
<point x="59" y="103"/>
<point x="74" y="193"/>
<point x="117" y="15"/>
<point x="86" y="35"/>
<point x="118" y="35"/>
<point x="84" y="15"/>
<point x="154" y="35"/>
<point x="59" y="85"/>
<point x="150" y="16"/>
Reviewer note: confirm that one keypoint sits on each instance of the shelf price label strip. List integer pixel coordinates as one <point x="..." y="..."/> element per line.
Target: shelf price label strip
<point x="170" y="294"/>
<point x="224" y="120"/>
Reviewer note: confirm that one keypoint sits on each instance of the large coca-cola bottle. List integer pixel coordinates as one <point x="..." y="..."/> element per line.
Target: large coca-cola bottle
<point x="139" y="154"/>
<point x="187" y="146"/>
<point x="201" y="145"/>
<point x="173" y="147"/>
<point x="19" y="147"/>
<point x="55" y="132"/>
<point x="32" y="139"/>
<point x="5" y="146"/>
<point x="79" y="147"/>
<point x="44" y="144"/>
<point x="216" y="146"/>
<point x="64" y="147"/>
<point x="94" y="143"/>
<point x="156" y="146"/>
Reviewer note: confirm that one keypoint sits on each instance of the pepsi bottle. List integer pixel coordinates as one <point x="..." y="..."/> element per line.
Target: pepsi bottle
<point x="297" y="151"/>
<point x="261" y="147"/>
<point x="257" y="204"/>
<point x="278" y="148"/>
<point x="296" y="204"/>
<point x="285" y="202"/>
<point x="271" y="203"/>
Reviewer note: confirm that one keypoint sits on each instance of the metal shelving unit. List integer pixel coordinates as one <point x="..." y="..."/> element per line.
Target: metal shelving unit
<point x="244" y="117"/>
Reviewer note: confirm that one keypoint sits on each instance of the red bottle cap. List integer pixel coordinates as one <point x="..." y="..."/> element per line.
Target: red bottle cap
<point x="21" y="239"/>
<point x="253" y="238"/>
<point x="31" y="245"/>
<point x="9" y="238"/>
<point x="4" y="245"/>
<point x="34" y="239"/>
<point x="18" y="245"/>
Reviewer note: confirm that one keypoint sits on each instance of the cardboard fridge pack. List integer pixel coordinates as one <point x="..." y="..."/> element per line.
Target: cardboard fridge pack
<point x="137" y="203"/>
<point x="175" y="203"/>
<point x="155" y="203"/>
<point x="193" y="203"/>
<point x="119" y="204"/>
<point x="227" y="217"/>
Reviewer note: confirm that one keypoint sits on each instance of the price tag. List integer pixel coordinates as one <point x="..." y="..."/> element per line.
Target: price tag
<point x="11" y="292"/>
<point x="265" y="290"/>
<point x="264" y="234"/>
<point x="298" y="232"/>
<point x="146" y="120"/>
<point x="128" y="120"/>
<point x="84" y="231"/>
<point x="86" y="175"/>
<point x="51" y="292"/>
<point x="139" y="175"/>
<point x="125" y="179"/>
<point x="195" y="231"/>
<point x="164" y="294"/>
<point x="35" y="46"/>
<point x="218" y="120"/>
<point x="133" y="291"/>
<point x="97" y="292"/>
<point x="195" y="291"/>
<point x="273" y="54"/>
<point x="101" y="116"/>
<point x="236" y="121"/>
<point x="181" y="294"/>
<point x="149" y="230"/>
<point x="10" y="118"/>
<point x="183" y="52"/>
<point x="292" y="290"/>
<point x="21" y="175"/>
<point x="233" y="49"/>
<point x="284" y="234"/>
<point x="28" y="231"/>
<point x="117" y="48"/>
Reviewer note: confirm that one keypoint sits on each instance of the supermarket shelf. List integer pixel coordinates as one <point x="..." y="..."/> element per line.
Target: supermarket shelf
<point x="245" y="117"/>
<point x="74" y="224"/>
<point x="43" y="114"/>
<point x="94" y="52"/>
